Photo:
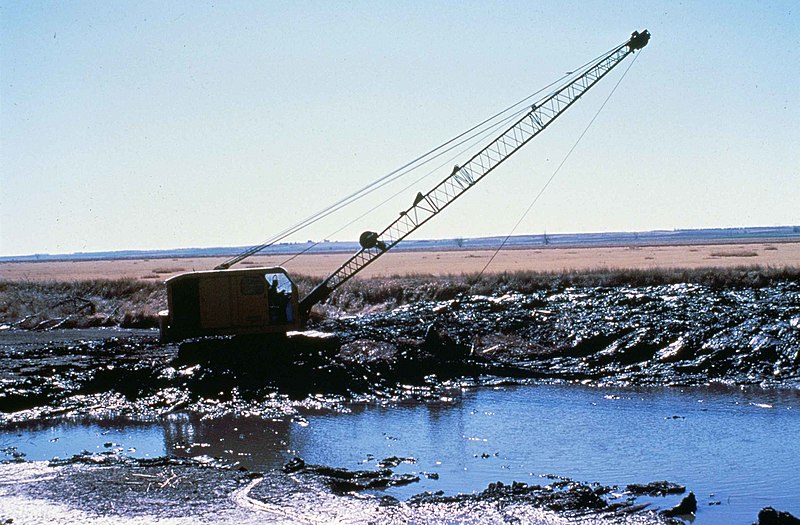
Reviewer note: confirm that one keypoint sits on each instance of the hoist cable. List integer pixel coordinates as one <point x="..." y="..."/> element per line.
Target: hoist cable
<point x="393" y="175"/>
<point x="477" y="138"/>
<point x="558" y="168"/>
<point x="366" y="190"/>
<point x="575" y="73"/>
<point x="375" y="185"/>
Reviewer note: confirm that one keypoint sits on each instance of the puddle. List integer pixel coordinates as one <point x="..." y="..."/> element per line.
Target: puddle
<point x="736" y="449"/>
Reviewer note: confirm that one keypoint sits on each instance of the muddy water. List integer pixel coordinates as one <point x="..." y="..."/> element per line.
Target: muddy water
<point x="737" y="450"/>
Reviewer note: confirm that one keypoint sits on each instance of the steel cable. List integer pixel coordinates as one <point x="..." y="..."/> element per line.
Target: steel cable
<point x="401" y="171"/>
<point x="558" y="168"/>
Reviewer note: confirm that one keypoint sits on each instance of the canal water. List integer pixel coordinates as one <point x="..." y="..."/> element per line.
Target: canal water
<point x="736" y="449"/>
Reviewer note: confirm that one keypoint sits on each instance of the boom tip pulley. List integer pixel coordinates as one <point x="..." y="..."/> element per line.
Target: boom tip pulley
<point x="638" y="40"/>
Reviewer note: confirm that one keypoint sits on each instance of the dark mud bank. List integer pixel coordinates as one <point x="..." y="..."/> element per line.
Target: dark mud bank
<point x="658" y="335"/>
<point x="109" y="488"/>
<point x="676" y="334"/>
<point x="110" y="485"/>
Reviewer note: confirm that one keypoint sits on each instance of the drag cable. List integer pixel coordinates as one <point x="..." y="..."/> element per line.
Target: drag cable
<point x="450" y="159"/>
<point x="566" y="157"/>
<point x="395" y="174"/>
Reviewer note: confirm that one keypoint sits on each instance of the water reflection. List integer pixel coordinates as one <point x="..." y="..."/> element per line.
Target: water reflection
<point x="732" y="446"/>
<point x="254" y="443"/>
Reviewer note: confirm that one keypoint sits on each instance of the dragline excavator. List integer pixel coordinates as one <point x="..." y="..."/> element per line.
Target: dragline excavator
<point x="226" y="301"/>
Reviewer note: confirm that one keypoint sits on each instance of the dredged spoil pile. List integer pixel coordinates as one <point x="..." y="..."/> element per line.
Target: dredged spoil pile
<point x="654" y="335"/>
<point x="650" y="335"/>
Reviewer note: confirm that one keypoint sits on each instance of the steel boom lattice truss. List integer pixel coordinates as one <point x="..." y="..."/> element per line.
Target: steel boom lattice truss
<point x="426" y="206"/>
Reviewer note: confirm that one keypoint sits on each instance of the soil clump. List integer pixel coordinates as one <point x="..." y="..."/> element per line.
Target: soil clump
<point x="770" y="516"/>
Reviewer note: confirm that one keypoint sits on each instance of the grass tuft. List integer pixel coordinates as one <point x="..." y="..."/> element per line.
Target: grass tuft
<point x="168" y="270"/>
<point x="75" y="304"/>
<point x="735" y="253"/>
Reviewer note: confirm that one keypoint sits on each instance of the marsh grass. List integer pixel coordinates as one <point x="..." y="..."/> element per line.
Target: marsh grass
<point x="734" y="253"/>
<point x="99" y="302"/>
<point x="168" y="270"/>
<point x="136" y="302"/>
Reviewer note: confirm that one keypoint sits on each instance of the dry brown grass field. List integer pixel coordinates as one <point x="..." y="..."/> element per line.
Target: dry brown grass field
<point x="452" y="262"/>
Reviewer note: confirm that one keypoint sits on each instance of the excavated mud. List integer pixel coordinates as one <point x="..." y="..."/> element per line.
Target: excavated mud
<point x="661" y="335"/>
<point x="569" y="498"/>
<point x="655" y="335"/>
<point x="108" y="487"/>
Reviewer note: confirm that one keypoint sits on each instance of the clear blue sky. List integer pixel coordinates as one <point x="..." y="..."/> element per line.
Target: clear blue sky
<point x="138" y="125"/>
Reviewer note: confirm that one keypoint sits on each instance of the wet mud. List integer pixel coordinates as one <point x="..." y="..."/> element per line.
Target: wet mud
<point x="112" y="488"/>
<point x="568" y="498"/>
<point x="655" y="335"/>
<point x="665" y="335"/>
<point x="770" y="516"/>
<point x="108" y="487"/>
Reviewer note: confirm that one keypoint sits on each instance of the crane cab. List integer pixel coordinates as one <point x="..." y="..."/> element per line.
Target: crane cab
<point x="229" y="302"/>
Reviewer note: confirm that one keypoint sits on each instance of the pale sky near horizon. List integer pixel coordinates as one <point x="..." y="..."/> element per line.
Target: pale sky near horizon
<point x="151" y="124"/>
